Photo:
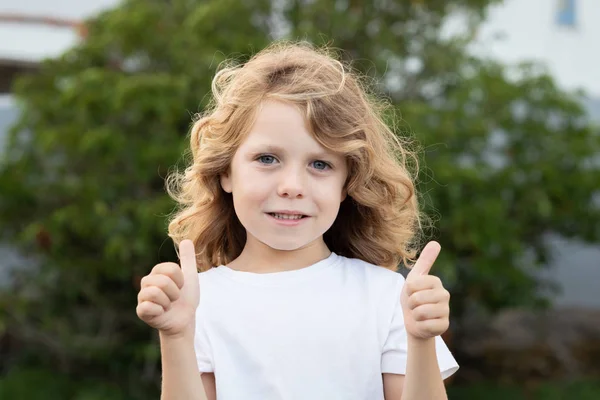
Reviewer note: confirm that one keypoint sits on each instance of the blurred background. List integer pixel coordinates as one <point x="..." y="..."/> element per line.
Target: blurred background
<point x="96" y="99"/>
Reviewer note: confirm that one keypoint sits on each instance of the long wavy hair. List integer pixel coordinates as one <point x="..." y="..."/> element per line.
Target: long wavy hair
<point x="378" y="222"/>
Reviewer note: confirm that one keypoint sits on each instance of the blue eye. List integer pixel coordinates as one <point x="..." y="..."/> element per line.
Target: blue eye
<point x="266" y="159"/>
<point x="321" y="165"/>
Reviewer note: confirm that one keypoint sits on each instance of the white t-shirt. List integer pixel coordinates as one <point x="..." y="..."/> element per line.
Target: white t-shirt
<point x="327" y="331"/>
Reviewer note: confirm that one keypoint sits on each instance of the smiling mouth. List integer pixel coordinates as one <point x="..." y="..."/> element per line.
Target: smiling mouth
<point x="288" y="216"/>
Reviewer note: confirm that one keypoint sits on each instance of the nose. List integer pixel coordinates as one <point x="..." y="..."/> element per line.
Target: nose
<point x="292" y="183"/>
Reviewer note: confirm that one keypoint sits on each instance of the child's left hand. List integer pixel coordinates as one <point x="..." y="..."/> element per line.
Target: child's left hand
<point x="425" y="302"/>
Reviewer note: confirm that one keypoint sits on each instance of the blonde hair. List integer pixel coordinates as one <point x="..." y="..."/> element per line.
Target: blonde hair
<point x="378" y="221"/>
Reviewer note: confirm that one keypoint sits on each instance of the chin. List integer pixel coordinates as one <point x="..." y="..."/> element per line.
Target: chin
<point x="284" y="245"/>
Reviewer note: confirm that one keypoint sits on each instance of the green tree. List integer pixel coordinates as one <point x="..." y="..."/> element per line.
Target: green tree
<point x="83" y="191"/>
<point x="509" y="158"/>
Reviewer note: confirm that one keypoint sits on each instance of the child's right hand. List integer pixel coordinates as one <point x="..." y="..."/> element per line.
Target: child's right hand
<point x="169" y="295"/>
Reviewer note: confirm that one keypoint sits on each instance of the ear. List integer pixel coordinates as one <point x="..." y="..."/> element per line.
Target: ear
<point x="226" y="182"/>
<point x="344" y="194"/>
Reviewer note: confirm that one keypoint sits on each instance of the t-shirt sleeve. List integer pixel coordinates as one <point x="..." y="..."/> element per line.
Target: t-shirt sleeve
<point x="395" y="348"/>
<point x="202" y="343"/>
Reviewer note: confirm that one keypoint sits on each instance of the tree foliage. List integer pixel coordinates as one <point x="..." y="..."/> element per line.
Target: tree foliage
<point x="509" y="158"/>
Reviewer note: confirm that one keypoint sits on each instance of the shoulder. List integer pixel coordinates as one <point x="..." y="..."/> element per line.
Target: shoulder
<point x="367" y="269"/>
<point x="209" y="281"/>
<point x="377" y="277"/>
<point x="208" y="275"/>
<point x="211" y="292"/>
<point x="379" y="291"/>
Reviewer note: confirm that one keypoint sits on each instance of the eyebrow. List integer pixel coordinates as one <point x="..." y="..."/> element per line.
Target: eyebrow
<point x="276" y="149"/>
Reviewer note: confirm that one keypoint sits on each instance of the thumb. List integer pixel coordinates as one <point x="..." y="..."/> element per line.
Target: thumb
<point x="426" y="259"/>
<point x="187" y="255"/>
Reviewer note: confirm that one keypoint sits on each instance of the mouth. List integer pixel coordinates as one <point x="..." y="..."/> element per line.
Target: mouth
<point x="287" y="216"/>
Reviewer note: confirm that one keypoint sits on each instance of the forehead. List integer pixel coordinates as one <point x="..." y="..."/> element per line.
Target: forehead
<point x="280" y="125"/>
<point x="274" y="112"/>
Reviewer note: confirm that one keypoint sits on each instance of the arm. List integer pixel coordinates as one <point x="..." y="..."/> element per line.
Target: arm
<point x="168" y="301"/>
<point x="425" y="309"/>
<point x="180" y="371"/>
<point x="423" y="378"/>
<point x="208" y="380"/>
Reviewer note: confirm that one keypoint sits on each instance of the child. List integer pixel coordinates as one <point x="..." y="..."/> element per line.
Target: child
<point x="298" y="205"/>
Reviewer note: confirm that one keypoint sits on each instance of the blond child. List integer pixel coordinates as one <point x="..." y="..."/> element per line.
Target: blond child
<point x="297" y="208"/>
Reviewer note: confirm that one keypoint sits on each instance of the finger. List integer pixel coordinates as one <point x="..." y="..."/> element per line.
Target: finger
<point x="148" y="310"/>
<point x="426" y="259"/>
<point x="164" y="283"/>
<point x="435" y="327"/>
<point x="170" y="269"/>
<point x="422" y="282"/>
<point x="154" y="295"/>
<point x="187" y="255"/>
<point x="430" y="311"/>
<point x="429" y="296"/>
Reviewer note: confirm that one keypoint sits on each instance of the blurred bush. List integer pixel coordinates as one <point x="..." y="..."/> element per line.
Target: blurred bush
<point x="528" y="347"/>
<point x="580" y="390"/>
<point x="44" y="384"/>
<point x="509" y="158"/>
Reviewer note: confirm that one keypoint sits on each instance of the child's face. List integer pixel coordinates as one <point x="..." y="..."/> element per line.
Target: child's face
<point x="281" y="169"/>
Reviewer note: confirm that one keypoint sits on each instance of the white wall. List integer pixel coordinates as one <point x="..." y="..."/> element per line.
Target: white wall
<point x="34" y="42"/>
<point x="530" y="31"/>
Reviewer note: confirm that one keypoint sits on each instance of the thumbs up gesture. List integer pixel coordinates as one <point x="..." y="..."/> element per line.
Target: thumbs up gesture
<point x="169" y="295"/>
<point x="425" y="302"/>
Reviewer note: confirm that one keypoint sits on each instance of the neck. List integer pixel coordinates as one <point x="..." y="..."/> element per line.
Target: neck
<point x="258" y="257"/>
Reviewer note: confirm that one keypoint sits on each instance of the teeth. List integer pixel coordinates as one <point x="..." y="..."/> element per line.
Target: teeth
<point x="286" y="216"/>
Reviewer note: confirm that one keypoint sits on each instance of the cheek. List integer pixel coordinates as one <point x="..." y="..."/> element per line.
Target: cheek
<point x="249" y="185"/>
<point x="329" y="194"/>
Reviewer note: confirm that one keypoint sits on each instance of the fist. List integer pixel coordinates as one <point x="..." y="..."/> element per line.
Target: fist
<point x="170" y="294"/>
<point x="425" y="302"/>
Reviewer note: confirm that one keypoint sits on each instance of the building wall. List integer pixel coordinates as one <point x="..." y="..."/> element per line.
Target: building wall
<point x="32" y="42"/>
<point x="519" y="30"/>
